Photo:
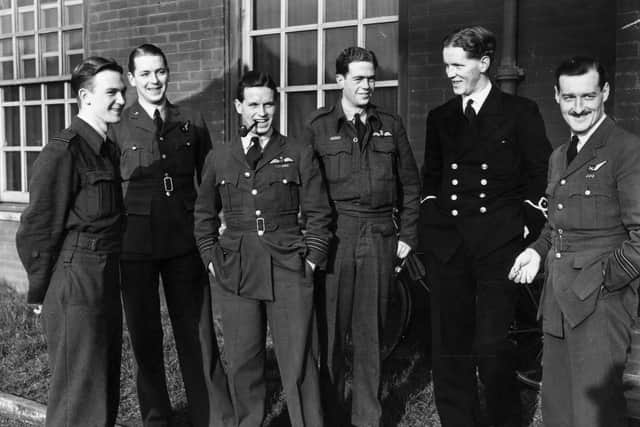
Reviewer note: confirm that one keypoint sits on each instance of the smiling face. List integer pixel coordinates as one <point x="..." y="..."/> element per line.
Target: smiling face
<point x="150" y="78"/>
<point x="258" y="105"/>
<point x="103" y="99"/>
<point x="357" y="84"/>
<point x="581" y="100"/>
<point x="467" y="75"/>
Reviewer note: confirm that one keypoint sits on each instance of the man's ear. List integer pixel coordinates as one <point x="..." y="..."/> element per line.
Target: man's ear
<point x="485" y="63"/>
<point x="132" y="81"/>
<point x="340" y="80"/>
<point x="84" y="95"/>
<point x="605" y="92"/>
<point x="238" y="104"/>
<point x="556" y="93"/>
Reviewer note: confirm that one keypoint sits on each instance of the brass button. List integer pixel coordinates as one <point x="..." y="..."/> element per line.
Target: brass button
<point x="482" y="195"/>
<point x="254" y="191"/>
<point x="161" y="138"/>
<point x="483" y="181"/>
<point x="258" y="212"/>
<point x="454" y="166"/>
<point x="484" y="166"/>
<point x="284" y="181"/>
<point x="134" y="148"/>
<point x="247" y="174"/>
<point x="560" y="231"/>
<point x="454" y="182"/>
<point x="483" y="209"/>
<point x="355" y="139"/>
<point x="164" y="156"/>
<point x="454" y="212"/>
<point x="563" y="181"/>
<point x="587" y="192"/>
<point x="560" y="206"/>
<point x="454" y="197"/>
<point x="222" y="182"/>
<point x="558" y="255"/>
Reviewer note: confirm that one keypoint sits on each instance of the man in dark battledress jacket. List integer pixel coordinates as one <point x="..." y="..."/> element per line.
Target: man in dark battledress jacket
<point x="262" y="263"/>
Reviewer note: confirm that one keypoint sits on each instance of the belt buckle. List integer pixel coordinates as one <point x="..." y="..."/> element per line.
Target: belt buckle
<point x="167" y="181"/>
<point x="260" y="226"/>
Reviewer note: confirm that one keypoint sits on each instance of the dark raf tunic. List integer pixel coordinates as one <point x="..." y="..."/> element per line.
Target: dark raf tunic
<point x="160" y="169"/>
<point x="367" y="180"/>
<point x="69" y="242"/>
<point x="260" y="270"/>
<point x="481" y="174"/>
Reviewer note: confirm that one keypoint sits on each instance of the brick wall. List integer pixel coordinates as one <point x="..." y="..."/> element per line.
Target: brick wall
<point x="190" y="32"/>
<point x="627" y="76"/>
<point x="547" y="33"/>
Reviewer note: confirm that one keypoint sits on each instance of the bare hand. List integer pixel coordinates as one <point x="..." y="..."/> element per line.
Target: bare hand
<point x="403" y="250"/>
<point x="211" y="270"/>
<point x="525" y="267"/>
<point x="312" y="265"/>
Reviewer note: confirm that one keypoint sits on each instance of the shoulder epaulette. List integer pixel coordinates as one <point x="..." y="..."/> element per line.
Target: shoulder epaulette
<point x="319" y="113"/>
<point x="66" y="135"/>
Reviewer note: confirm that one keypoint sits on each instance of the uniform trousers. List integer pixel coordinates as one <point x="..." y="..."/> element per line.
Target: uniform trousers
<point x="83" y="325"/>
<point x="472" y="307"/>
<point x="244" y="323"/>
<point x="354" y="299"/>
<point x="188" y="298"/>
<point x="582" y="372"/>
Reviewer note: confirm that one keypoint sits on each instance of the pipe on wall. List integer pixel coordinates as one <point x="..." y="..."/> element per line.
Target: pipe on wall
<point x="508" y="74"/>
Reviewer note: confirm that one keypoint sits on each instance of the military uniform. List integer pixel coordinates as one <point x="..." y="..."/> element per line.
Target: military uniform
<point x="69" y="242"/>
<point x="260" y="268"/>
<point x="160" y="168"/>
<point x="591" y="245"/>
<point x="476" y="178"/>
<point x="366" y="180"/>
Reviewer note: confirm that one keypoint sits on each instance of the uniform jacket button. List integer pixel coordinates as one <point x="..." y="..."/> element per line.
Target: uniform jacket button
<point x="454" y="212"/>
<point x="483" y="209"/>
<point x="247" y="174"/>
<point x="254" y="191"/>
<point x="484" y="166"/>
<point x="454" y="182"/>
<point x="563" y="181"/>
<point x="355" y="139"/>
<point x="587" y="192"/>
<point x="483" y="181"/>
<point x="482" y="195"/>
<point x="284" y="181"/>
<point x="454" y="197"/>
<point x="454" y="166"/>
<point x="558" y="255"/>
<point x="258" y="212"/>
<point x="560" y="206"/>
<point x="164" y="156"/>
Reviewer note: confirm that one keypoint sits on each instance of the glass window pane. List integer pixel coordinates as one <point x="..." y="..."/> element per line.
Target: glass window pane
<point x="26" y="21"/>
<point x="49" y="18"/>
<point x="73" y="14"/>
<point x="5" y="4"/>
<point x="11" y="93"/>
<point x="25" y="3"/>
<point x="299" y="106"/>
<point x="331" y="97"/>
<point x="6" y="47"/>
<point x="386" y="98"/>
<point x="48" y="1"/>
<point x="302" y="58"/>
<point x="32" y="92"/>
<point x="55" y="119"/>
<point x="335" y="40"/>
<point x="73" y="39"/>
<point x="29" y="68"/>
<point x="266" y="55"/>
<point x="50" y="66"/>
<point x="383" y="40"/>
<point x="266" y="14"/>
<point x="375" y="8"/>
<point x="27" y="45"/>
<point x="74" y="109"/>
<point x="31" y="157"/>
<point x="72" y="61"/>
<point x="49" y="42"/>
<point x="5" y="24"/>
<point x="6" y="70"/>
<point x="14" y="172"/>
<point x="12" y="126"/>
<point x="33" y="115"/>
<point x="55" y="90"/>
<point x="339" y="10"/>
<point x="301" y="12"/>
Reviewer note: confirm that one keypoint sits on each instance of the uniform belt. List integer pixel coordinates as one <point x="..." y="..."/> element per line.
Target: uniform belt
<point x="575" y="242"/>
<point x="261" y="224"/>
<point x="92" y="242"/>
<point x="164" y="184"/>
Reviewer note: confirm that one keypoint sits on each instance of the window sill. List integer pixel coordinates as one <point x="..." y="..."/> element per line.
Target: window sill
<point x="11" y="211"/>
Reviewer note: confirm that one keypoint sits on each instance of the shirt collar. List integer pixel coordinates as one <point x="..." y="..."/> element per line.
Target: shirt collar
<point x="264" y="139"/>
<point x="582" y="139"/>
<point x="370" y="113"/>
<point x="478" y="98"/>
<point x="150" y="109"/>
<point x="94" y="137"/>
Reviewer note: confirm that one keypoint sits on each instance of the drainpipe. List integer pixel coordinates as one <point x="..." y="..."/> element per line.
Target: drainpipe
<point x="508" y="73"/>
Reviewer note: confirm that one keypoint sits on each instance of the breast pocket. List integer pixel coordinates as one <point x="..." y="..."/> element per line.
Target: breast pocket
<point x="383" y="154"/>
<point x="134" y="160"/>
<point x="100" y="194"/>
<point x="284" y="185"/>
<point x="336" y="159"/>
<point x="185" y="157"/>
<point x="594" y="205"/>
<point x="230" y="195"/>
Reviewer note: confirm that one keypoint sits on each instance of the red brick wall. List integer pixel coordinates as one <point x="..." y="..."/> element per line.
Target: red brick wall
<point x="547" y="33"/>
<point x="190" y="32"/>
<point x="627" y="76"/>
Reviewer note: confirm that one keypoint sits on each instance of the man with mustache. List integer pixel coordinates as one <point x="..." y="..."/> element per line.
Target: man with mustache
<point x="484" y="175"/>
<point x="370" y="172"/>
<point x="591" y="248"/>
<point x="69" y="242"/>
<point x="163" y="149"/>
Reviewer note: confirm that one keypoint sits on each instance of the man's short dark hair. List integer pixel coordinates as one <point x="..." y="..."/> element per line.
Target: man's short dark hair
<point x="145" y="49"/>
<point x="580" y="65"/>
<point x="256" y="79"/>
<point x="83" y="73"/>
<point x="354" y="54"/>
<point x="477" y="41"/>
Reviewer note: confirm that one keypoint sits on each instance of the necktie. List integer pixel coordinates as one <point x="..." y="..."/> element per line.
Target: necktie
<point x="572" y="152"/>
<point x="157" y="120"/>
<point x="254" y="153"/>
<point x="361" y="128"/>
<point x="469" y="112"/>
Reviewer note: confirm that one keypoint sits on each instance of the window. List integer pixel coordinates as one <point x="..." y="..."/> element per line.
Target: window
<point x="41" y="41"/>
<point x="297" y="42"/>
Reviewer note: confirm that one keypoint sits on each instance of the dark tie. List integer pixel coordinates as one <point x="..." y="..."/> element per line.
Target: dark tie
<point x="469" y="112"/>
<point x="157" y="120"/>
<point x="361" y="128"/>
<point x="572" y="152"/>
<point x="254" y="153"/>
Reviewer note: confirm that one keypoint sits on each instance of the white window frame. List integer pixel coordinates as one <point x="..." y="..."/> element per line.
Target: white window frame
<point x="320" y="88"/>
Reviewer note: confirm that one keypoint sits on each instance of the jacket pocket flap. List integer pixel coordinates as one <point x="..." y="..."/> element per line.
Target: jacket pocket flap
<point x="383" y="145"/>
<point x="97" y="176"/>
<point x="335" y="147"/>
<point x="583" y="259"/>
<point x="228" y="243"/>
<point x="227" y="178"/>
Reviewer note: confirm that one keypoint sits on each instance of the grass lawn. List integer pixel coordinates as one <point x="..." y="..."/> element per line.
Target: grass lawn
<point x="407" y="389"/>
